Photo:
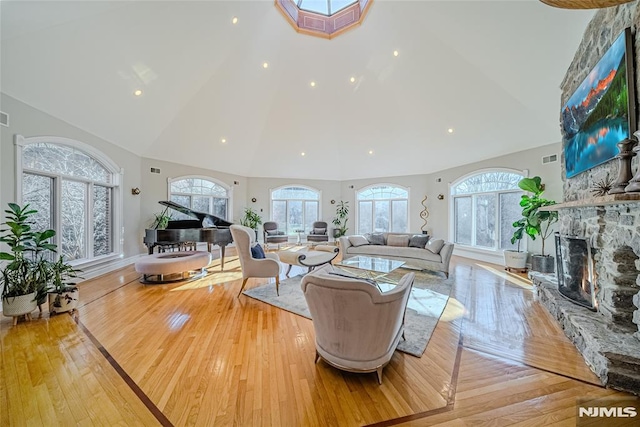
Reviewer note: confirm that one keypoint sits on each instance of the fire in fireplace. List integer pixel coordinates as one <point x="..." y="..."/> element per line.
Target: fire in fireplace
<point x="576" y="271"/>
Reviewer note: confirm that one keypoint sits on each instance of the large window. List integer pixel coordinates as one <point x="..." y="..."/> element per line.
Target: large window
<point x="485" y="205"/>
<point x="295" y="208"/>
<point x="200" y="194"/>
<point x="75" y="190"/>
<point x="383" y="208"/>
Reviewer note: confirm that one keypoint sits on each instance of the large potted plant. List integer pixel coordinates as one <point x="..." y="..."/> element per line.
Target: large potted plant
<point x="516" y="259"/>
<point x="537" y="221"/>
<point x="25" y="274"/>
<point x="251" y="219"/>
<point x="340" y="220"/>
<point x="63" y="293"/>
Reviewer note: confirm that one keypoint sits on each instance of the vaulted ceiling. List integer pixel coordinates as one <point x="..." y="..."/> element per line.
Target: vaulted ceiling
<point x="489" y="70"/>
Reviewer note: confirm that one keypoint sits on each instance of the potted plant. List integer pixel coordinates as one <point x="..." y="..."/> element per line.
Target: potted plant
<point x="160" y="220"/>
<point x="63" y="294"/>
<point x="340" y="220"/>
<point x="537" y="222"/>
<point x="24" y="276"/>
<point x="516" y="260"/>
<point x="251" y="219"/>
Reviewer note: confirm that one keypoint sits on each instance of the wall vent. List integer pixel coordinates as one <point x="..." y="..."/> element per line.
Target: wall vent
<point x="550" y="159"/>
<point x="155" y="170"/>
<point x="4" y="119"/>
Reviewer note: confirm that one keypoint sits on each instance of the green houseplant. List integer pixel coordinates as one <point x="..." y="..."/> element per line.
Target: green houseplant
<point x="340" y="220"/>
<point x="63" y="293"/>
<point x="251" y="219"/>
<point x="536" y="222"/>
<point x="516" y="259"/>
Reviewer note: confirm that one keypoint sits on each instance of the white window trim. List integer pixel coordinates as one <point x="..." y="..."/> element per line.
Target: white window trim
<point x="117" y="173"/>
<point x="306" y="187"/>
<point x="381" y="184"/>
<point x="222" y="184"/>
<point x="476" y="252"/>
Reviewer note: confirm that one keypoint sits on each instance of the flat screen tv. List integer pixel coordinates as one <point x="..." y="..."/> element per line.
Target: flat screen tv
<point x="601" y="112"/>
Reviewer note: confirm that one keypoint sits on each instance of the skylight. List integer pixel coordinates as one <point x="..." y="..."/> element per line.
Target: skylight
<point x="324" y="7"/>
<point x="323" y="18"/>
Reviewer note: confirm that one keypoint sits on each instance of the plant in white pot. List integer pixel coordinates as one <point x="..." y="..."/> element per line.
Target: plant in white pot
<point x="63" y="292"/>
<point x="517" y="259"/>
<point x="340" y="220"/>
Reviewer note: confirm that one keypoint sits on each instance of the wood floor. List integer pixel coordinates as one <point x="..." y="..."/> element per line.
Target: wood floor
<point x="196" y="354"/>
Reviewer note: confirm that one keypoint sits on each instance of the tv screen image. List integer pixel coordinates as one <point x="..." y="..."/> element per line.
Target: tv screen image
<point x="601" y="112"/>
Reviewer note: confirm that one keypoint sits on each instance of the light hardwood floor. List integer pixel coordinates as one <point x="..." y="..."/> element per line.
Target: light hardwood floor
<point x="196" y="354"/>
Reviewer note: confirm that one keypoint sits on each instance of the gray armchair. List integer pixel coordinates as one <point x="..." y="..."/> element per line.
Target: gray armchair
<point x="244" y="238"/>
<point x="272" y="234"/>
<point x="318" y="232"/>
<point x="357" y="327"/>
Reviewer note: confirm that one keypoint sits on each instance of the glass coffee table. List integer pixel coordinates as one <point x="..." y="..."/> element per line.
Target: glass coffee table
<point x="372" y="269"/>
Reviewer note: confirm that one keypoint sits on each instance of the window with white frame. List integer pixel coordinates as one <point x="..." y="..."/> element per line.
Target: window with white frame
<point x="75" y="190"/>
<point x="383" y="208"/>
<point x="200" y="194"/>
<point x="295" y="208"/>
<point x="484" y="207"/>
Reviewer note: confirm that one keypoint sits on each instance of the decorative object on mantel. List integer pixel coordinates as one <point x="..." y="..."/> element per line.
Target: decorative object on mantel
<point x="634" y="184"/>
<point x="624" y="165"/>
<point x="584" y="4"/>
<point x="424" y="215"/>
<point x="602" y="187"/>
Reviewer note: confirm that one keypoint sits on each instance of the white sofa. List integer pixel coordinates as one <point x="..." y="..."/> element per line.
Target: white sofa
<point x="414" y="256"/>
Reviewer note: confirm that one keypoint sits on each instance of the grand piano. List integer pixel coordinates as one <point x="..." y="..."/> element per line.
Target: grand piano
<point x="205" y="228"/>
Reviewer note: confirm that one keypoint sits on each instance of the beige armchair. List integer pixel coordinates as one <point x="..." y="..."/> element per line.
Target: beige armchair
<point x="357" y="327"/>
<point x="244" y="238"/>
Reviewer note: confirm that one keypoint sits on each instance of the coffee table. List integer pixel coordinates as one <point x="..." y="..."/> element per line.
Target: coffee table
<point x="373" y="269"/>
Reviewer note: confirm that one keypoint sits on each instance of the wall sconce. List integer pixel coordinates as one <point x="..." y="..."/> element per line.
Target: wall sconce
<point x="135" y="191"/>
<point x="333" y="202"/>
<point x="253" y="199"/>
<point x="440" y="196"/>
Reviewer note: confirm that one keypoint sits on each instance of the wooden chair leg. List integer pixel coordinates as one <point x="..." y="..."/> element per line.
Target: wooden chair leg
<point x="317" y="357"/>
<point x="379" y="373"/>
<point x="278" y="285"/>
<point x="244" y="282"/>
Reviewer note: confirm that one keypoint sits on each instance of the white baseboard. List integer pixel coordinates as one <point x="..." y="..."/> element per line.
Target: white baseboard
<point x="480" y="255"/>
<point x="108" y="267"/>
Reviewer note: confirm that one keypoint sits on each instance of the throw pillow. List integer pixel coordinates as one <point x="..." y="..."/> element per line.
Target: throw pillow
<point x="319" y="231"/>
<point x="418" y="241"/>
<point x="376" y="239"/>
<point x="272" y="232"/>
<point x="358" y="241"/>
<point x="435" y="245"/>
<point x="257" y="252"/>
<point x="401" y="241"/>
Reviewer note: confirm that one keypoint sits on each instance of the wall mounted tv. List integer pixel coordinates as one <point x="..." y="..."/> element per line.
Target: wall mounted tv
<point x="601" y="112"/>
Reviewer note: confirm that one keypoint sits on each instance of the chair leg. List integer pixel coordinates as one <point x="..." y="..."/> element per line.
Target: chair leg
<point x="446" y="274"/>
<point x="288" y="270"/>
<point x="379" y="373"/>
<point x="244" y="282"/>
<point x="317" y="357"/>
<point x="278" y="285"/>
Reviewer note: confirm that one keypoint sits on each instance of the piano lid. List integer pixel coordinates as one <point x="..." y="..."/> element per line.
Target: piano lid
<point x="206" y="219"/>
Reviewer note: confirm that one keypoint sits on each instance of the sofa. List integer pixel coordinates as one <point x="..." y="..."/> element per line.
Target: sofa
<point x="416" y="250"/>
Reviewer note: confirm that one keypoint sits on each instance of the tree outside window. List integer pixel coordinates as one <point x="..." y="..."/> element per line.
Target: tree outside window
<point x="383" y="208"/>
<point x="295" y="208"/>
<point x="200" y="194"/>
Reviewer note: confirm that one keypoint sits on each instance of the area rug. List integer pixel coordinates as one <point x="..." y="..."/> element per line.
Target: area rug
<point x="428" y="298"/>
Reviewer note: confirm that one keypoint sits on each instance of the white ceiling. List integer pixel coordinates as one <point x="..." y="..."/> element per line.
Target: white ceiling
<point x="488" y="69"/>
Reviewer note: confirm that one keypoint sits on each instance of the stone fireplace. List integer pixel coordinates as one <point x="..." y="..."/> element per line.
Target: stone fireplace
<point x="608" y="338"/>
<point x="575" y="271"/>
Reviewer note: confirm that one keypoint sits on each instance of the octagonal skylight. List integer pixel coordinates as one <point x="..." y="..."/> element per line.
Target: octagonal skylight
<point x="323" y="18"/>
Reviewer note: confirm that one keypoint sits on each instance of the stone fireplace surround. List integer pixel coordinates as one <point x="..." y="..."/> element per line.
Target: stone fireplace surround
<point x="609" y="339"/>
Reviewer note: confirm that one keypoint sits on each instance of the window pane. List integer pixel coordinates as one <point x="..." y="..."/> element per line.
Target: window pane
<point x="399" y="216"/>
<point x="310" y="214"/>
<point x="488" y="181"/>
<point x="102" y="231"/>
<point x="220" y="208"/>
<point x="485" y="206"/>
<point x="65" y="160"/>
<point x="295" y="217"/>
<point x="365" y="215"/>
<point x="318" y="6"/>
<point x="201" y="204"/>
<point x="381" y="213"/>
<point x="383" y="192"/>
<point x="462" y="220"/>
<point x="510" y="212"/>
<point x="337" y="5"/>
<point x="72" y="236"/>
<point x="198" y="186"/>
<point x="295" y="193"/>
<point x="181" y="200"/>
<point x="279" y="213"/>
<point x="37" y="191"/>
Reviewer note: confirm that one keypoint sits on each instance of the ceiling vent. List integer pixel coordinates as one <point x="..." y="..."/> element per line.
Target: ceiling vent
<point x="550" y="159"/>
<point x="4" y="119"/>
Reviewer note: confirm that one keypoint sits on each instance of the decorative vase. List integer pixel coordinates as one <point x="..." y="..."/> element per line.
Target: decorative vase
<point x="515" y="259"/>
<point x="18" y="306"/>
<point x="634" y="183"/>
<point x="624" y="168"/>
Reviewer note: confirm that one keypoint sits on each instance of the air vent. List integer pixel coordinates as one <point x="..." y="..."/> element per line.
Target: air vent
<point x="4" y="119"/>
<point x="550" y="159"/>
<point x="155" y="170"/>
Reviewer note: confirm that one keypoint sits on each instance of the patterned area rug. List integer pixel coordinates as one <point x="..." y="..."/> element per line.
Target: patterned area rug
<point x="428" y="298"/>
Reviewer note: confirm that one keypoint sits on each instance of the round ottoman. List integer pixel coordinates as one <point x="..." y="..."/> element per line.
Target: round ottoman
<point x="172" y="266"/>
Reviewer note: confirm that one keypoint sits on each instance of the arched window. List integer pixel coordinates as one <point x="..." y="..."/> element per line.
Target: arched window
<point x="76" y="191"/>
<point x="382" y="208"/>
<point x="485" y="205"/>
<point x="295" y="208"/>
<point x="200" y="194"/>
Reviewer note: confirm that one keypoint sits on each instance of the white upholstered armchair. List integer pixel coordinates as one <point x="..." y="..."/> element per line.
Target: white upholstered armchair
<point x="244" y="238"/>
<point x="357" y="327"/>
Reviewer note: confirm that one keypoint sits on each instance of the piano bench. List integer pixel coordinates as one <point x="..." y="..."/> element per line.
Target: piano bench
<point x="172" y="266"/>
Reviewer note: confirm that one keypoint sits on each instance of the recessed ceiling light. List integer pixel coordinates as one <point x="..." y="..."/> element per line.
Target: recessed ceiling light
<point x="450" y="130"/>
<point x="234" y="20"/>
<point x="352" y="79"/>
<point x="371" y="152"/>
<point x="396" y="53"/>
<point x="313" y="84"/>
<point x="265" y="65"/>
<point x="137" y="92"/>
<point x="223" y="140"/>
<point x="303" y="153"/>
